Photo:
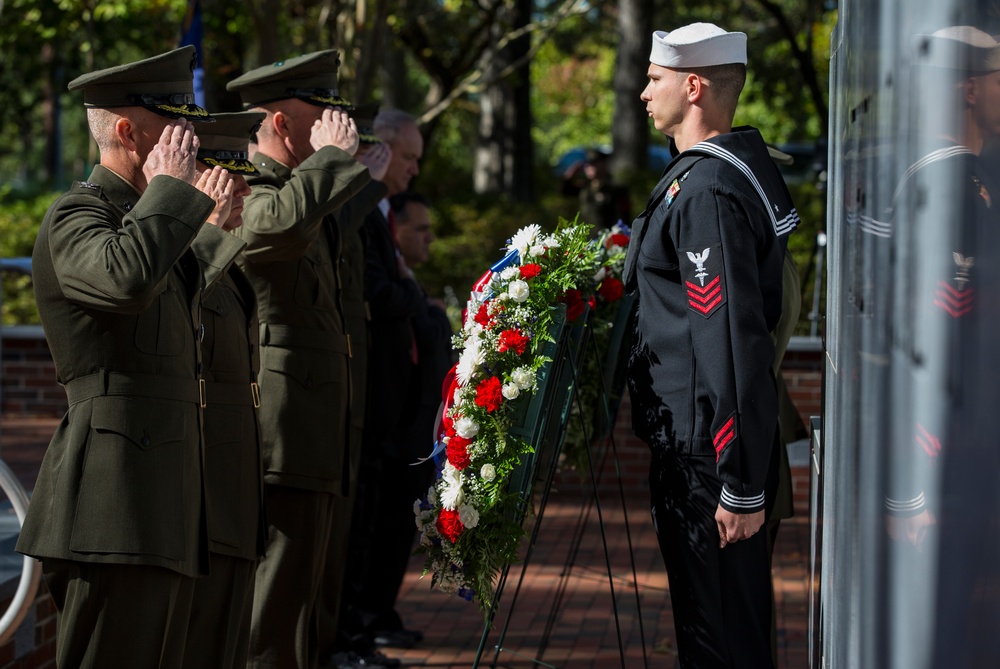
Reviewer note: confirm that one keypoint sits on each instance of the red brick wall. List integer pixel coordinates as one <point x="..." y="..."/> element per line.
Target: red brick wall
<point x="28" y="375"/>
<point x="38" y="652"/>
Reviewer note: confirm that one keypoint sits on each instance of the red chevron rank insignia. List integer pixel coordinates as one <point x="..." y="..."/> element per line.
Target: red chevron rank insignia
<point x="725" y="436"/>
<point x="928" y="442"/>
<point x="703" y="280"/>
<point x="956" y="302"/>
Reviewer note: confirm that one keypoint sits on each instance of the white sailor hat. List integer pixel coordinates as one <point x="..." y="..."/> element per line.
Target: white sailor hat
<point x="698" y="45"/>
<point x="962" y="48"/>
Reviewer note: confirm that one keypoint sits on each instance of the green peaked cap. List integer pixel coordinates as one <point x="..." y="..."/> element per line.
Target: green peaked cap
<point x="225" y="142"/>
<point x="162" y="84"/>
<point x="311" y="77"/>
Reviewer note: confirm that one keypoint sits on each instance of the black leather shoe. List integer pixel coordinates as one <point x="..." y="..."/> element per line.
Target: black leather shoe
<point x="401" y="638"/>
<point x="355" y="661"/>
<point x="376" y="658"/>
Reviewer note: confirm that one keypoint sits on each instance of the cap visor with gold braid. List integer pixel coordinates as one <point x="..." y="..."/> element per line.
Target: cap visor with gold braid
<point x="162" y="84"/>
<point x="224" y="143"/>
<point x="364" y="118"/>
<point x="311" y="78"/>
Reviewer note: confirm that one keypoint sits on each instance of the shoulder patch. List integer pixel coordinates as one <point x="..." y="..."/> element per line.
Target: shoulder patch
<point x="704" y="279"/>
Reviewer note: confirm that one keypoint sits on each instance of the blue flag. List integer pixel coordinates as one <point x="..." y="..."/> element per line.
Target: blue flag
<point x="191" y="33"/>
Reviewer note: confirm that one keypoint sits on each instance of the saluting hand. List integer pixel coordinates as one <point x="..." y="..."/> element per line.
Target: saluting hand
<point x="335" y="128"/>
<point x="175" y="154"/>
<point x="218" y="184"/>
<point x="737" y="526"/>
<point x="376" y="159"/>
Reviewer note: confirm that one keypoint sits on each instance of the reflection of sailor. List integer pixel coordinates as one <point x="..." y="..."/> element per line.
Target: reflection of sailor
<point x="944" y="465"/>
<point x="706" y="260"/>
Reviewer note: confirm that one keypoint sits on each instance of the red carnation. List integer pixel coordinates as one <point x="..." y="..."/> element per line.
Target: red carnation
<point x="530" y="271"/>
<point x="483" y="316"/>
<point x="489" y="394"/>
<point x="574" y="304"/>
<point x="611" y="289"/>
<point x="448" y="525"/>
<point x="458" y="452"/>
<point x="513" y="340"/>
<point x="617" y="240"/>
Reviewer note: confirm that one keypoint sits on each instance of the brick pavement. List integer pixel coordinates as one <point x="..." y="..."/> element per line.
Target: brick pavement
<point x="582" y="631"/>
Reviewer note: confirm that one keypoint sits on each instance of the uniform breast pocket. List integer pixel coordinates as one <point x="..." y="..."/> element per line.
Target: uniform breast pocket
<point x="225" y="344"/>
<point x="313" y="281"/>
<point x="163" y="327"/>
<point x="657" y="251"/>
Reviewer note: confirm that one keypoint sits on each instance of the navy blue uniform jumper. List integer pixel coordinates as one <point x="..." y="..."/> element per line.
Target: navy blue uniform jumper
<point x="706" y="259"/>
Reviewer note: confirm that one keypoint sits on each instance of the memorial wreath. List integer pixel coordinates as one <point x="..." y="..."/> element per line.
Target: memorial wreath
<point x="468" y="522"/>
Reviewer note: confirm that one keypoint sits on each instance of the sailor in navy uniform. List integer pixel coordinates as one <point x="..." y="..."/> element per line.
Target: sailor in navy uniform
<point x="706" y="260"/>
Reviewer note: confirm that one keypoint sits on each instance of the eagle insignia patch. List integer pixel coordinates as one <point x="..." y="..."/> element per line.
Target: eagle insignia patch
<point x="704" y="280"/>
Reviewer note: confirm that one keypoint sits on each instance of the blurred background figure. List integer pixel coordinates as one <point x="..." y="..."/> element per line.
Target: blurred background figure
<point x="602" y="202"/>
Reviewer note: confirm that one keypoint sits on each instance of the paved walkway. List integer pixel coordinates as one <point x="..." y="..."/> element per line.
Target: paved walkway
<point x="564" y="614"/>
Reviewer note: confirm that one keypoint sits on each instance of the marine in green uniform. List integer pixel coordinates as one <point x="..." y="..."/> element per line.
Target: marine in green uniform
<point x="118" y="516"/>
<point x="219" y="628"/>
<point x="307" y="171"/>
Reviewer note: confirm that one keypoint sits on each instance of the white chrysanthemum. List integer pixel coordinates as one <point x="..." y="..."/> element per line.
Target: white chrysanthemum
<point x="451" y="495"/>
<point x="614" y="249"/>
<point x="510" y="273"/>
<point x="471" y="309"/>
<point x="432" y="495"/>
<point x="524" y="377"/>
<point x="416" y="507"/>
<point x="468" y="515"/>
<point x="466" y="427"/>
<point x="601" y="273"/>
<point x="537" y="250"/>
<point x="488" y="472"/>
<point x="470" y="360"/>
<point x="518" y="290"/>
<point x="523" y="239"/>
<point x="551" y="242"/>
<point x="511" y="391"/>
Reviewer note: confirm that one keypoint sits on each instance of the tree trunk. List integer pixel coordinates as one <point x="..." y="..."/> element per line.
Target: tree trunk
<point x="265" y="13"/>
<point x="630" y="131"/>
<point x="521" y="175"/>
<point x="372" y="41"/>
<point x="396" y="90"/>
<point x="505" y="155"/>
<point x="489" y="170"/>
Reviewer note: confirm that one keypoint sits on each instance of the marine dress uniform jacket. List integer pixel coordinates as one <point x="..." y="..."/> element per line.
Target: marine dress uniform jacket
<point x="232" y="397"/>
<point x="118" y="294"/>
<point x="292" y="259"/>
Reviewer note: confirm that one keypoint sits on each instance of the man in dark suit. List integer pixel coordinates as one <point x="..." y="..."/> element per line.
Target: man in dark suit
<point x="307" y="171"/>
<point x="117" y="515"/>
<point x="706" y="261"/>
<point x="394" y="298"/>
<point x="410" y="440"/>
